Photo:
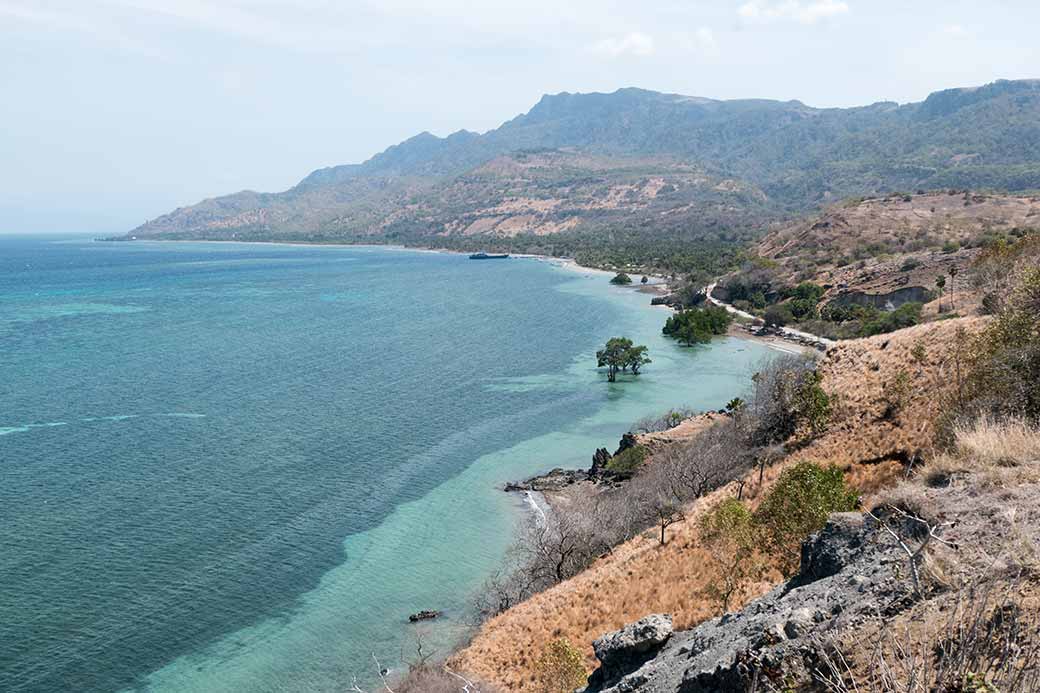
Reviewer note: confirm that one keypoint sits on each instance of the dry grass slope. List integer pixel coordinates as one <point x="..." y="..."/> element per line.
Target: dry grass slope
<point x="642" y="577"/>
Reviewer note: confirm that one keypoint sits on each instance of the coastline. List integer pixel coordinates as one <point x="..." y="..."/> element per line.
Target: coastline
<point x="458" y="533"/>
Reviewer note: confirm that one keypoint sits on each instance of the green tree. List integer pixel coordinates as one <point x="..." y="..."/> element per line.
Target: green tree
<point x="620" y="354"/>
<point x="940" y="284"/>
<point x="697" y="325"/>
<point x="728" y="532"/>
<point x="812" y="403"/>
<point x="798" y="505"/>
<point x="636" y="358"/>
<point x="621" y="278"/>
<point x="778" y="315"/>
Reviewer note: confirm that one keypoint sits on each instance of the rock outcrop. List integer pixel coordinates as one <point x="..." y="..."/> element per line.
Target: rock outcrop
<point x="851" y="571"/>
<point x="626" y="650"/>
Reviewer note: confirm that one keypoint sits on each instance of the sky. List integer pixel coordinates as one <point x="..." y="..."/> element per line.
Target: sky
<point x="117" y="111"/>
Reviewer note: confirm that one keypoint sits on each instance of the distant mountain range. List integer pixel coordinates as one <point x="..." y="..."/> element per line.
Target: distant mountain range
<point x="638" y="164"/>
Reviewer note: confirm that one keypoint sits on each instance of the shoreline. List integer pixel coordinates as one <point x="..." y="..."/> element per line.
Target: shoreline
<point x="656" y="284"/>
<point x="532" y="508"/>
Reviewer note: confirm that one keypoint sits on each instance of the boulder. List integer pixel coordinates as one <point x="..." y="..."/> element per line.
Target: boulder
<point x="624" y="651"/>
<point x="835" y="546"/>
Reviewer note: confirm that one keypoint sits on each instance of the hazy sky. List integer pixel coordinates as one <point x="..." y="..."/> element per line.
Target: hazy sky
<point x="115" y="111"/>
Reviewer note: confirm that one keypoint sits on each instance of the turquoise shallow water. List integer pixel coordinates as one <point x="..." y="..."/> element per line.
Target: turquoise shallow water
<point x="240" y="467"/>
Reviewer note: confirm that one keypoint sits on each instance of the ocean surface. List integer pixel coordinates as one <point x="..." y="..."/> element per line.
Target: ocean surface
<point x="237" y="468"/>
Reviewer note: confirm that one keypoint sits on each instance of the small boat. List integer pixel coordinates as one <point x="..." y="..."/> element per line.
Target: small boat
<point x="486" y="256"/>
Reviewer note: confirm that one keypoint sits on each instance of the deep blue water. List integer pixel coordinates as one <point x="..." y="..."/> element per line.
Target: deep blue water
<point x="189" y="432"/>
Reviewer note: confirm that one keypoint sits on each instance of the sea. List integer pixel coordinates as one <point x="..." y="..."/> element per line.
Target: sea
<point x="240" y="467"/>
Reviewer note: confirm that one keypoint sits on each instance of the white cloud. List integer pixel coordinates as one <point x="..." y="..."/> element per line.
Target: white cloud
<point x="794" y="10"/>
<point x="955" y="30"/>
<point x="636" y="44"/>
<point x="701" y="40"/>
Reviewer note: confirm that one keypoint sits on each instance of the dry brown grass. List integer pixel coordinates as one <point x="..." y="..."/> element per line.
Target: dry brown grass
<point x="637" y="578"/>
<point x="642" y="577"/>
<point x="995" y="452"/>
<point x="856" y="374"/>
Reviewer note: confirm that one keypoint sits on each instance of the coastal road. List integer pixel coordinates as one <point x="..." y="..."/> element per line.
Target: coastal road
<point x="785" y="331"/>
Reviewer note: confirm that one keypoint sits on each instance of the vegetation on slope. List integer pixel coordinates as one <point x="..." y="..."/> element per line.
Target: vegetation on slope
<point x="878" y="265"/>
<point x="640" y="172"/>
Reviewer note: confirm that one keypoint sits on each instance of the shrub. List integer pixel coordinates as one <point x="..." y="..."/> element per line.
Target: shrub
<point x="1005" y="374"/>
<point x="906" y="315"/>
<point x="986" y="642"/>
<point x="698" y="325"/>
<point x="561" y="668"/>
<point x="895" y="394"/>
<point x="786" y="395"/>
<point x="427" y="678"/>
<point x="627" y="461"/>
<point x="670" y="419"/>
<point x="778" y="315"/>
<point x="909" y="264"/>
<point x="798" y="505"/>
<point x="728" y="532"/>
<point x="621" y="278"/>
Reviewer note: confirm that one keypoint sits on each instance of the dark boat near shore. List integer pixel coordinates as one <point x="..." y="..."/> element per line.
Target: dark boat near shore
<point x="486" y="256"/>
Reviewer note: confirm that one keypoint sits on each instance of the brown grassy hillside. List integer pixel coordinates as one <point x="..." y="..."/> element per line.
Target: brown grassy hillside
<point x="884" y="245"/>
<point x="865" y="436"/>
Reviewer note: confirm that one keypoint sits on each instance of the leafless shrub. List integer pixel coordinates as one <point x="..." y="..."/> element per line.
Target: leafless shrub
<point x="989" y="642"/>
<point x="574" y="536"/>
<point x="773" y="411"/>
<point x="662" y="422"/>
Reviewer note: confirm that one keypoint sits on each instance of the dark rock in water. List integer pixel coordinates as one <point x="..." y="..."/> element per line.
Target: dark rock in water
<point x="600" y="460"/>
<point x="555" y="480"/>
<point x="424" y="615"/>
<point x="628" y="440"/>
<point x="623" y="651"/>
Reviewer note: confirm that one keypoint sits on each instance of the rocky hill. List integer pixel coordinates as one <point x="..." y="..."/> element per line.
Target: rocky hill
<point x="870" y="256"/>
<point x="649" y="165"/>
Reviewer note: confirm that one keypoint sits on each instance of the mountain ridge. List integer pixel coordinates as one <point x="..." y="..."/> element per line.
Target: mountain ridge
<point x="758" y="160"/>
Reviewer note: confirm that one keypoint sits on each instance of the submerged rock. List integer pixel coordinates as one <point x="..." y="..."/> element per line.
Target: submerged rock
<point x="424" y="615"/>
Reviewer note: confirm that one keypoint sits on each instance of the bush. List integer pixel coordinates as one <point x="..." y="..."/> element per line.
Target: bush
<point x="728" y="532"/>
<point x="561" y="668"/>
<point x="697" y="325"/>
<point x="1005" y="373"/>
<point x="627" y="461"/>
<point x="427" y="678"/>
<point x="670" y="419"/>
<point x="621" y="278"/>
<point x="786" y="395"/>
<point x="906" y="315"/>
<point x="798" y="505"/>
<point x="778" y="315"/>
